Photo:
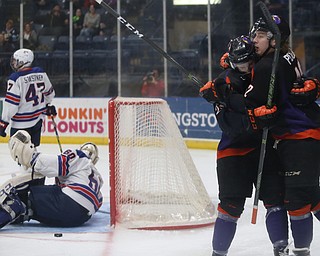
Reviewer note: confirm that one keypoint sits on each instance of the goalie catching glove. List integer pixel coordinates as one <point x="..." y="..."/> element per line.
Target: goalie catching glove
<point x="262" y="117"/>
<point x="22" y="150"/>
<point x="305" y="91"/>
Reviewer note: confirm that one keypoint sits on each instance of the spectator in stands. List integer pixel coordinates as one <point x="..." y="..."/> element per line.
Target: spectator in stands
<point x="11" y="36"/>
<point x="54" y="23"/>
<point x="29" y="37"/>
<point x="91" y="22"/>
<point x="77" y="22"/>
<point x="153" y="85"/>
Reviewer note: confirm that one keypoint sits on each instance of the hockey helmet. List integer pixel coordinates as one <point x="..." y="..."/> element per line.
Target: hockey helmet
<point x="241" y="50"/>
<point x="261" y="25"/>
<point x="21" y="58"/>
<point x="91" y="150"/>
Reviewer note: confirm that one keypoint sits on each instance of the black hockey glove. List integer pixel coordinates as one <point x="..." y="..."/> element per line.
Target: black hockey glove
<point x="304" y="92"/>
<point x="216" y="91"/>
<point x="208" y="92"/>
<point x="262" y="117"/>
<point x="51" y="110"/>
<point x="223" y="89"/>
<point x="3" y="127"/>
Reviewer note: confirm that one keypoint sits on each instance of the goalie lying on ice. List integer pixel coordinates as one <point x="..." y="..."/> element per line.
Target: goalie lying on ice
<point x="70" y="202"/>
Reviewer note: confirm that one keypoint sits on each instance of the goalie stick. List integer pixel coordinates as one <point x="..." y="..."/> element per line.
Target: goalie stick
<point x="6" y="187"/>
<point x="277" y="36"/>
<point x="150" y="42"/>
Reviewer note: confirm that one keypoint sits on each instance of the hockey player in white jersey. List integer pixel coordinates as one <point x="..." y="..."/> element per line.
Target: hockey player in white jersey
<point x="28" y="97"/>
<point x="70" y="202"/>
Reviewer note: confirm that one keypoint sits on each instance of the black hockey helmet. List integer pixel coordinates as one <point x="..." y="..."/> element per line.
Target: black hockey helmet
<point x="240" y="49"/>
<point x="261" y="25"/>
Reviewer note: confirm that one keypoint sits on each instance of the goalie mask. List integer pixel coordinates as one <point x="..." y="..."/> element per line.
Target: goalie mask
<point x="21" y="58"/>
<point x="91" y="150"/>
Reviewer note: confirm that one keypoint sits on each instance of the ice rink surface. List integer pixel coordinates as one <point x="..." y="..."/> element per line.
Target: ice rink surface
<point x="96" y="238"/>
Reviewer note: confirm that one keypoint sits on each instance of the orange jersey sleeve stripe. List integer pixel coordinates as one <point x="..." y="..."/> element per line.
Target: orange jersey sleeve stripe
<point x="301" y="211"/>
<point x="311" y="133"/>
<point x="233" y="152"/>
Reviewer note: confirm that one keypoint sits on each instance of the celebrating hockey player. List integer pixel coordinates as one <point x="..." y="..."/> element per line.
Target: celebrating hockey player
<point x="238" y="152"/>
<point x="70" y="202"/>
<point x="296" y="130"/>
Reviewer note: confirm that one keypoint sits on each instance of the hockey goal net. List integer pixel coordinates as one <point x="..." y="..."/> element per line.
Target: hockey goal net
<point x="154" y="183"/>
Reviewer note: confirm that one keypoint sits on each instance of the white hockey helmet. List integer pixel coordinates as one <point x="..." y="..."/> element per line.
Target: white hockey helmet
<point x="21" y="58"/>
<point x="91" y="150"/>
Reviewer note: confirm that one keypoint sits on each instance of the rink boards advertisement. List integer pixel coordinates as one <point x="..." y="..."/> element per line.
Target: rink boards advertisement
<point x="83" y="119"/>
<point x="88" y="117"/>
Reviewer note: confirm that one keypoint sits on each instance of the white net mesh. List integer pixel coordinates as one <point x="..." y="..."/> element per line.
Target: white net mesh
<point x="156" y="182"/>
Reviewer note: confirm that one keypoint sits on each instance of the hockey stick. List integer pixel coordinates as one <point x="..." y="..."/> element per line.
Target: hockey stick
<point x="150" y="42"/>
<point x="277" y="36"/>
<point x="56" y="132"/>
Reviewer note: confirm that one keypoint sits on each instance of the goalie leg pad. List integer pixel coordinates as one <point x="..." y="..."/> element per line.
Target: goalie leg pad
<point x="20" y="183"/>
<point x="21" y="148"/>
<point x="11" y="209"/>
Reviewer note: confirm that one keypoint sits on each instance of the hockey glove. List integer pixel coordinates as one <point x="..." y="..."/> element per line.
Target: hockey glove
<point x="3" y="127"/>
<point x="223" y="89"/>
<point x="304" y="92"/>
<point x="224" y="61"/>
<point x="208" y="92"/>
<point x="51" y="110"/>
<point x="262" y="117"/>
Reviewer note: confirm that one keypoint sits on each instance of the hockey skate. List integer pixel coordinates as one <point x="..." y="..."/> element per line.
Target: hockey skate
<point x="281" y="252"/>
<point x="218" y="254"/>
<point x="301" y="252"/>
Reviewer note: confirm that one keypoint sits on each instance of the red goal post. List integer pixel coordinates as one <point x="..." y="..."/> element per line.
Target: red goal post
<point x="154" y="183"/>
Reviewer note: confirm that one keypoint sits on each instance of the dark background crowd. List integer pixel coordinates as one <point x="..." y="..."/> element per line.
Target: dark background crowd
<point x="46" y="28"/>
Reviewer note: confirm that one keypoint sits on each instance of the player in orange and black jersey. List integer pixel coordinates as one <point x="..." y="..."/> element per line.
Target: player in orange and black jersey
<point x="238" y="153"/>
<point x="296" y="128"/>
